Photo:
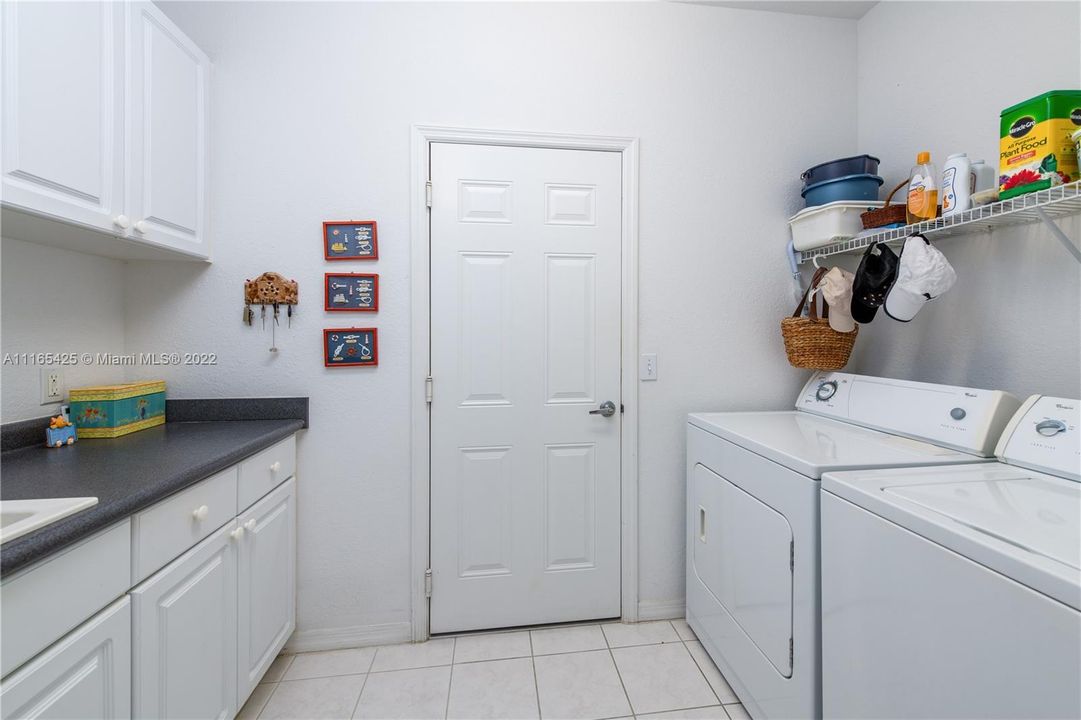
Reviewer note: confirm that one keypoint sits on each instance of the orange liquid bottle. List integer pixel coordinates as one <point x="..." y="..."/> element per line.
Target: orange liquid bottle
<point x="922" y="190"/>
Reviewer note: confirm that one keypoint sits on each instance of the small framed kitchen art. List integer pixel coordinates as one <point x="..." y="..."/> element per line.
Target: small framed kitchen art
<point x="350" y="347"/>
<point x="350" y="292"/>
<point x="350" y="240"/>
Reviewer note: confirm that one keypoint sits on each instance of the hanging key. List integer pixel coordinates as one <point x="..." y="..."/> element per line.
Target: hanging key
<point x="289" y="315"/>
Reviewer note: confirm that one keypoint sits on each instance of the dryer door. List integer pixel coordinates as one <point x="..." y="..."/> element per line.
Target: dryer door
<point x="742" y="553"/>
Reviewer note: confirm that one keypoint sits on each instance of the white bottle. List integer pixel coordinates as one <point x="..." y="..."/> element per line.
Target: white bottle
<point x="983" y="176"/>
<point x="956" y="179"/>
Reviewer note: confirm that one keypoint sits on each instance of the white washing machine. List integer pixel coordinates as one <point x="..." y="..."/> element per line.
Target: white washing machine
<point x="956" y="592"/>
<point x="752" y="514"/>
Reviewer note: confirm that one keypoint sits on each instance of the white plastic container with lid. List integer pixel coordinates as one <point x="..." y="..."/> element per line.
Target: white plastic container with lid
<point x="956" y="193"/>
<point x="821" y="225"/>
<point x="983" y="177"/>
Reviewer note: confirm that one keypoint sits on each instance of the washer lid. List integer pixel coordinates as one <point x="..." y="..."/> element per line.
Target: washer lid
<point x="812" y="445"/>
<point x="1040" y="514"/>
<point x="1023" y="524"/>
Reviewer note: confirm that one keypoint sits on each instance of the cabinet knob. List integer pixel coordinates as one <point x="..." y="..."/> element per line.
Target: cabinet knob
<point x="237" y="534"/>
<point x="250" y="525"/>
<point x="141" y="227"/>
<point x="200" y="513"/>
<point x="275" y="466"/>
<point x="122" y="221"/>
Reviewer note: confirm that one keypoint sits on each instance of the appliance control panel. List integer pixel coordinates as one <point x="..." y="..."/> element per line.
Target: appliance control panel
<point x="966" y="419"/>
<point x="1045" y="435"/>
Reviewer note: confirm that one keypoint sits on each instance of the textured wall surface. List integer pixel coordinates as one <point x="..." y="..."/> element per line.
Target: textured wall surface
<point x="56" y="301"/>
<point x="311" y="110"/>
<point x="1011" y="322"/>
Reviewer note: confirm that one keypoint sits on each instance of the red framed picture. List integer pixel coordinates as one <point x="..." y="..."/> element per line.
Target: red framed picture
<point x="350" y="240"/>
<point x="350" y="347"/>
<point x="350" y="292"/>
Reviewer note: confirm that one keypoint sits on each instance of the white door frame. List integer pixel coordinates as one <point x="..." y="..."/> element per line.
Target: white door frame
<point x="420" y="433"/>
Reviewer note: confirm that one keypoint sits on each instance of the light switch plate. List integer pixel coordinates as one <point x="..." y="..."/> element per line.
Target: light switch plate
<point x="647" y="366"/>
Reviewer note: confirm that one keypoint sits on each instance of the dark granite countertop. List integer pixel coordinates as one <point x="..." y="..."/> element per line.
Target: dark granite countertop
<point x="126" y="474"/>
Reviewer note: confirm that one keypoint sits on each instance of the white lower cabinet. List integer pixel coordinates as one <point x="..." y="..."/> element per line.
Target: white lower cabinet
<point x="184" y="621"/>
<point x="86" y="674"/>
<point x="189" y="642"/>
<point x="266" y="590"/>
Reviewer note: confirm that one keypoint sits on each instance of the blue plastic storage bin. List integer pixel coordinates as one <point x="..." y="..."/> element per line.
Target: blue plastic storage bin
<point x="858" y="165"/>
<point x="850" y="187"/>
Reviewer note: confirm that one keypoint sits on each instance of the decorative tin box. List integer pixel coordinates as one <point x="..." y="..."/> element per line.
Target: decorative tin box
<point x="109" y="411"/>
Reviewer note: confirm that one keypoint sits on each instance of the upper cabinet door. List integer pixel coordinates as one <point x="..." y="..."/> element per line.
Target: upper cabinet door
<point x="167" y="84"/>
<point x="63" y="109"/>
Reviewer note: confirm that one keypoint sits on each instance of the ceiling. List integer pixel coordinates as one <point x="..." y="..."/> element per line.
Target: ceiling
<point x="850" y="9"/>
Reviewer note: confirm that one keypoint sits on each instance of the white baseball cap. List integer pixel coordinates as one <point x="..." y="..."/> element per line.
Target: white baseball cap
<point x="836" y="286"/>
<point x="923" y="274"/>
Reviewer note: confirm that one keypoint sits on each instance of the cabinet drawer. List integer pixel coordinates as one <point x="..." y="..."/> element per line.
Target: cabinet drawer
<point x="265" y="470"/>
<point x="50" y="598"/>
<point x="164" y="531"/>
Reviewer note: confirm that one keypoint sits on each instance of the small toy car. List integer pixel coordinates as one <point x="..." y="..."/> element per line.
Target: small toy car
<point x="60" y="432"/>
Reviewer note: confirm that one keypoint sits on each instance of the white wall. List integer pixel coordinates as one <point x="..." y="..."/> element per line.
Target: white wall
<point x="56" y="301"/>
<point x="1011" y="322"/>
<point x="311" y="110"/>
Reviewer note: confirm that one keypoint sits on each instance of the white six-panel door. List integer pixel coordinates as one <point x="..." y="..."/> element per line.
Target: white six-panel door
<point x="525" y="342"/>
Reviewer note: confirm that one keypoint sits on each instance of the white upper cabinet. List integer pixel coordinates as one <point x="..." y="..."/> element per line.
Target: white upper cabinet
<point x="63" y="116"/>
<point x="104" y="127"/>
<point x="167" y="119"/>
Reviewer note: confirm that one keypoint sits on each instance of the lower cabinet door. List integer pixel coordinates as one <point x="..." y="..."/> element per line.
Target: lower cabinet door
<point x="267" y="598"/>
<point x="184" y="633"/>
<point x="86" y="674"/>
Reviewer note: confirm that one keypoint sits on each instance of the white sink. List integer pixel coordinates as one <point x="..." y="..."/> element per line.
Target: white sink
<point x="18" y="517"/>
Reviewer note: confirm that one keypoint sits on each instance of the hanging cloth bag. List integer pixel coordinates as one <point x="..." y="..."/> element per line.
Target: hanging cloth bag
<point x="810" y="342"/>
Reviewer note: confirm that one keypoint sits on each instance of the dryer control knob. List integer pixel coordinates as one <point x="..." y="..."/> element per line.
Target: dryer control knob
<point x="958" y="413"/>
<point x="826" y="390"/>
<point x="1050" y="428"/>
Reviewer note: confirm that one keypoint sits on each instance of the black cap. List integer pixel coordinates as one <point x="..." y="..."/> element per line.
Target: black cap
<point x="874" y="278"/>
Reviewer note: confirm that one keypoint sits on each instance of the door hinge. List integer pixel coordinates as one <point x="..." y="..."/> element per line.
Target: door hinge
<point x="428" y="583"/>
<point x="428" y="389"/>
<point x="792" y="555"/>
<point x="791" y="653"/>
<point x="428" y="193"/>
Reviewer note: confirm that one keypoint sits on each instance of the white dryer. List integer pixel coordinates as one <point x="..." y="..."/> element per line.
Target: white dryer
<point x="752" y="514"/>
<point x="956" y="592"/>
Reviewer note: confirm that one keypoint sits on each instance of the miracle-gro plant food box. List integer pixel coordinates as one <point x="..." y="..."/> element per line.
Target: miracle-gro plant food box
<point x="109" y="411"/>
<point x="1035" y="149"/>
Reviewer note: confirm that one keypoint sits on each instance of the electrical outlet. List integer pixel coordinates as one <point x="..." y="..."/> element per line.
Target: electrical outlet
<point x="647" y="366"/>
<point x="52" y="385"/>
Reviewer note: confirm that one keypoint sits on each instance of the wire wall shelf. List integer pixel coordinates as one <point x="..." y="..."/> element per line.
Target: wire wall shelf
<point x="1043" y="205"/>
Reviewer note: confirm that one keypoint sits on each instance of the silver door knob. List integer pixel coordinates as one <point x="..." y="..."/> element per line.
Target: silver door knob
<point x="607" y="409"/>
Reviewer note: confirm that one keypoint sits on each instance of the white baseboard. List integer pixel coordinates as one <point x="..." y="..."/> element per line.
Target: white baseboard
<point x="349" y="637"/>
<point x="664" y="610"/>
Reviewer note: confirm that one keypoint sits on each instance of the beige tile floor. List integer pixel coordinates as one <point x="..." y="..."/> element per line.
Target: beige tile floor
<point x="582" y="672"/>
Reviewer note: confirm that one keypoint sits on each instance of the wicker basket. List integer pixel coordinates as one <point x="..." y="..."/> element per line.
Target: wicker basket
<point x="810" y="342"/>
<point x="887" y="214"/>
